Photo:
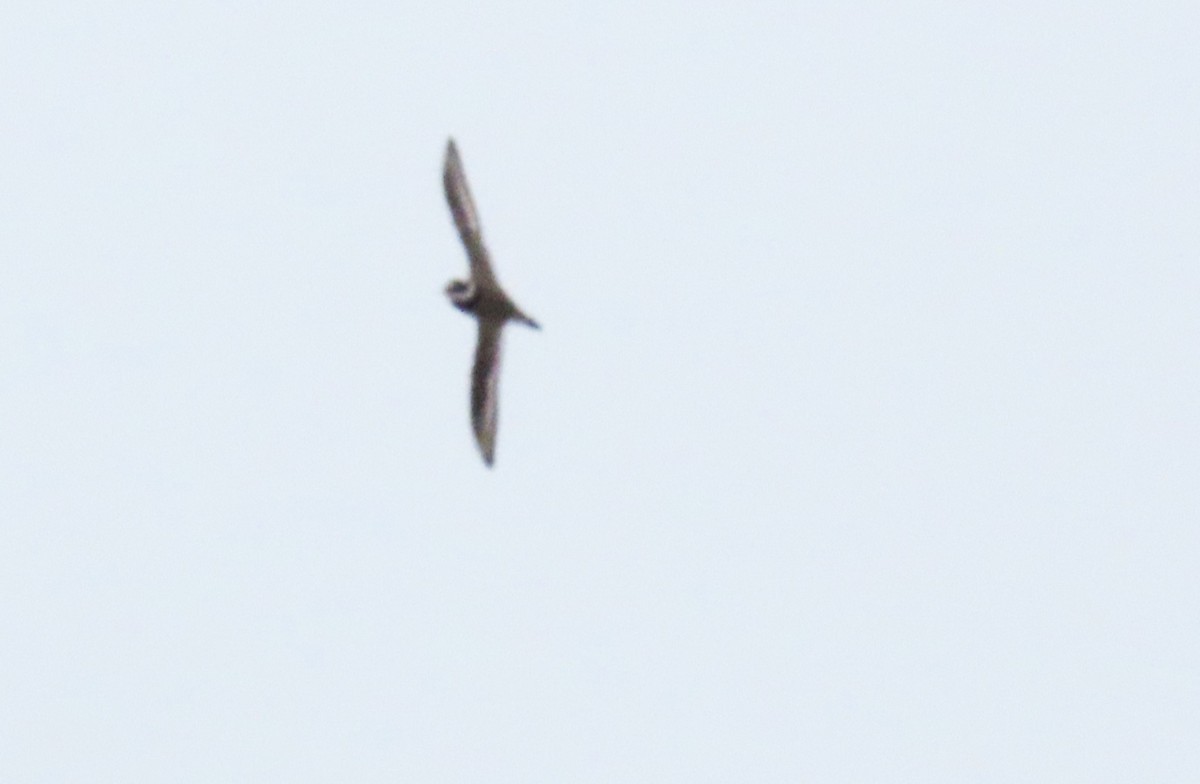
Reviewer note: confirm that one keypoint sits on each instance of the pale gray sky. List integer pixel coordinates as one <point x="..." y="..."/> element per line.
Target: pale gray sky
<point x="860" y="443"/>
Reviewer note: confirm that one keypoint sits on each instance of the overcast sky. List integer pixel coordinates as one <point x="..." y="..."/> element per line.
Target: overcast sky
<point x="860" y="444"/>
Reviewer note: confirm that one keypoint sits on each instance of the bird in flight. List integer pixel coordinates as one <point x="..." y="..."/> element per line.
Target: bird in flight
<point x="480" y="296"/>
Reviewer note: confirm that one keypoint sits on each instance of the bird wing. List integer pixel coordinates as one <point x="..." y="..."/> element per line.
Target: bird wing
<point x="462" y="207"/>
<point x="485" y="382"/>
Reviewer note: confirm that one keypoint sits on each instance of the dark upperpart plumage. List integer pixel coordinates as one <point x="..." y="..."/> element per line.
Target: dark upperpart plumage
<point x="482" y="297"/>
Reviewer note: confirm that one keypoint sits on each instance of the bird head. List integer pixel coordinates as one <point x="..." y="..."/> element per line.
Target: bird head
<point x="462" y="295"/>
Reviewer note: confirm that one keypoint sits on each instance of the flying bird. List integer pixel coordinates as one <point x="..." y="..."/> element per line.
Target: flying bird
<point x="480" y="296"/>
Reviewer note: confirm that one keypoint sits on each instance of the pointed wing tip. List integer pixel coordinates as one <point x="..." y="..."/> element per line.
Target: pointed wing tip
<point x="488" y="453"/>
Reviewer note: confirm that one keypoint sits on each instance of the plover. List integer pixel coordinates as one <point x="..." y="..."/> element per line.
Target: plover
<point x="482" y="297"/>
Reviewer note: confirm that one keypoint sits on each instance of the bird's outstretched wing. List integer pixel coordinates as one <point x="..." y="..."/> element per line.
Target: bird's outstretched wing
<point x="485" y="384"/>
<point x="466" y="219"/>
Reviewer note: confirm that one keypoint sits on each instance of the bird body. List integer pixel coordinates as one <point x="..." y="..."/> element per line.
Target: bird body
<point x="482" y="297"/>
